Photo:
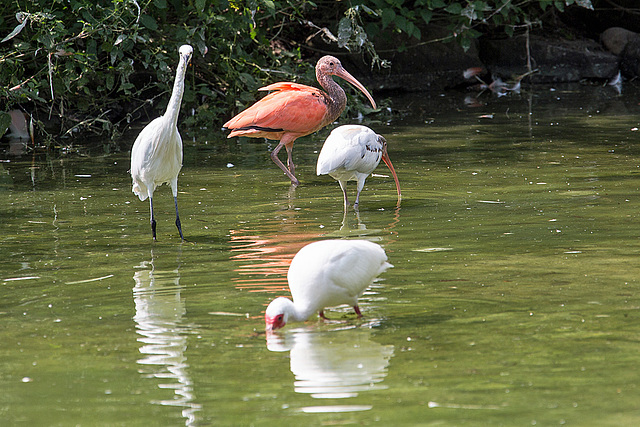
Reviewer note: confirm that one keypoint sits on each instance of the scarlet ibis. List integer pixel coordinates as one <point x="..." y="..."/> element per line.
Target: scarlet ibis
<point x="327" y="273"/>
<point x="293" y="110"/>
<point x="352" y="152"/>
<point x="156" y="156"/>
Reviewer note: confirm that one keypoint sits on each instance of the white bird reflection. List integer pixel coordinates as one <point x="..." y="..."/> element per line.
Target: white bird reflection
<point x="159" y="317"/>
<point x="336" y="364"/>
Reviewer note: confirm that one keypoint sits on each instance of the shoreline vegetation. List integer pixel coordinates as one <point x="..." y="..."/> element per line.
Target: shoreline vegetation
<point x="83" y="68"/>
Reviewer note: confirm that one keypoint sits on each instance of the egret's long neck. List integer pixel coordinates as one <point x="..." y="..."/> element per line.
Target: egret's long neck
<point x="337" y="97"/>
<point x="173" y="108"/>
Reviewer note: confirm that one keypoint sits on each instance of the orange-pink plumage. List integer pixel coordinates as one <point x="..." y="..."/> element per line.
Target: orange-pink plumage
<point x="293" y="110"/>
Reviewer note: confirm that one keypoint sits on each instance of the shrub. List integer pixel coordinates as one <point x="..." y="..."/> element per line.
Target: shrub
<point x="95" y="66"/>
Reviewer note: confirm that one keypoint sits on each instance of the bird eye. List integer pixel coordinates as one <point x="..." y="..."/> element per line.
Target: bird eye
<point x="280" y="317"/>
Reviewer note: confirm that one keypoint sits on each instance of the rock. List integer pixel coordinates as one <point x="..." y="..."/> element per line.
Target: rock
<point x="630" y="59"/>
<point x="616" y="38"/>
<point x="419" y="67"/>
<point x="557" y="60"/>
<point x="625" y="44"/>
<point x="426" y="66"/>
<point x="435" y="66"/>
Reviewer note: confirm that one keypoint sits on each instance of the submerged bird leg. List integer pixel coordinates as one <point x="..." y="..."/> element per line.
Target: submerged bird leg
<point x="345" y="223"/>
<point x="174" y="190"/>
<point x="290" y="165"/>
<point x="276" y="160"/>
<point x="343" y="186"/>
<point x="360" y="187"/>
<point x="175" y="199"/>
<point x="357" y="310"/>
<point x="153" y="219"/>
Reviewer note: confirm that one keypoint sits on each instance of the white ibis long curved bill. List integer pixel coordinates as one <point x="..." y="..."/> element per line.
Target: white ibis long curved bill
<point x="353" y="152"/>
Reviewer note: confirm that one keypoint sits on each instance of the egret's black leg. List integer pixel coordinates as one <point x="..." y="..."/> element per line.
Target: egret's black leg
<point x="175" y="199"/>
<point x="153" y="220"/>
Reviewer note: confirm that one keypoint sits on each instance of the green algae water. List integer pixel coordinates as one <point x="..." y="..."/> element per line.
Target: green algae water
<point x="513" y="299"/>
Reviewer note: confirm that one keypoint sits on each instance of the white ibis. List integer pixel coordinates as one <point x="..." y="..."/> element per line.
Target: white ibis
<point x="334" y="364"/>
<point x="293" y="110"/>
<point x="156" y="156"/>
<point x="352" y="152"/>
<point x="327" y="273"/>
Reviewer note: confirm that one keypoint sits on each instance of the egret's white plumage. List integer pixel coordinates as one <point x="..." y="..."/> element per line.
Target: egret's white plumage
<point x="326" y="274"/>
<point x="353" y="152"/>
<point x="156" y="156"/>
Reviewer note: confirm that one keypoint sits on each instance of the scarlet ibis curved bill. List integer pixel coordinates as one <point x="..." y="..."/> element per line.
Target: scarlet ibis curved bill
<point x="353" y="152"/>
<point x="156" y="156"/>
<point x="327" y="273"/>
<point x="293" y="110"/>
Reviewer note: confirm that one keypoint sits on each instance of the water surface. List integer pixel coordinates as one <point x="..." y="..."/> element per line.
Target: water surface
<point x="513" y="300"/>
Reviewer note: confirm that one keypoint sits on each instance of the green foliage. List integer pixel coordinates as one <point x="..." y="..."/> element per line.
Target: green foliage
<point x="95" y="66"/>
<point x="465" y="19"/>
<point x="87" y="65"/>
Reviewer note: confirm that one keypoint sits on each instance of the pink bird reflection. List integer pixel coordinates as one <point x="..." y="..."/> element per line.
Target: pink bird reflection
<point x="264" y="260"/>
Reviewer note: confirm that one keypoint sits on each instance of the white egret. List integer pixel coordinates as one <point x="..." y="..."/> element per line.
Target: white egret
<point x="352" y="152"/>
<point x="327" y="273"/>
<point x="156" y="156"/>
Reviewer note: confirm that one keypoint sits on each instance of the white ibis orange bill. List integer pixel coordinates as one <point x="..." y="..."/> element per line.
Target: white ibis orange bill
<point x="352" y="153"/>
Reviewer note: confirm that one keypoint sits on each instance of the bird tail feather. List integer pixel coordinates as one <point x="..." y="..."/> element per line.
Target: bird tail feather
<point x="139" y="191"/>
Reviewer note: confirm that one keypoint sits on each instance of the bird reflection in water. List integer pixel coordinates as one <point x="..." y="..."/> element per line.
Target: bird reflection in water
<point x="264" y="252"/>
<point x="354" y="226"/>
<point x="160" y="311"/>
<point x="264" y="259"/>
<point x="336" y="364"/>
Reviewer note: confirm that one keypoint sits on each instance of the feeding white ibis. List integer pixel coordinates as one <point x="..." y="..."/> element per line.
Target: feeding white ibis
<point x="294" y="110"/>
<point x="352" y="152"/>
<point x="327" y="273"/>
<point x="156" y="156"/>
